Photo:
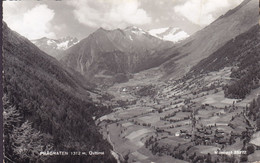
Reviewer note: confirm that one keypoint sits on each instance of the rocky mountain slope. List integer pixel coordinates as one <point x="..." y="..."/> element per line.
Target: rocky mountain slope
<point x="55" y="47"/>
<point x="169" y="34"/>
<point x="43" y="98"/>
<point x="111" y="54"/>
<point x="242" y="54"/>
<point x="243" y="49"/>
<point x="208" y="40"/>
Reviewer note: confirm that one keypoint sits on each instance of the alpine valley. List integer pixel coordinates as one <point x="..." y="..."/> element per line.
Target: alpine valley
<point x="132" y="95"/>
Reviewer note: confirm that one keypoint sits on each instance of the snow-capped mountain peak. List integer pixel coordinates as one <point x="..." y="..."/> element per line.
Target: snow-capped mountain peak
<point x="60" y="44"/>
<point x="169" y="34"/>
<point x="53" y="47"/>
<point x="135" y="30"/>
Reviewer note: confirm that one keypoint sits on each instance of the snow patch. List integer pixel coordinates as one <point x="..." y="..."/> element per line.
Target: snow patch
<point x="139" y="32"/>
<point x="130" y="37"/>
<point x="135" y="30"/>
<point x="50" y="42"/>
<point x="63" y="45"/>
<point x="174" y="35"/>
<point x="155" y="32"/>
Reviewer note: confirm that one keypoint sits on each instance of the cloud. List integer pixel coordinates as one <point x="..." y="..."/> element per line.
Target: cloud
<point x="109" y="14"/>
<point x="203" y="12"/>
<point x="33" y="23"/>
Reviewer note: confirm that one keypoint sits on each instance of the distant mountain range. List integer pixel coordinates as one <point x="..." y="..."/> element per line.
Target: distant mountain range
<point x="114" y="54"/>
<point x="54" y="47"/>
<point x="169" y="34"/>
<point x="108" y="55"/>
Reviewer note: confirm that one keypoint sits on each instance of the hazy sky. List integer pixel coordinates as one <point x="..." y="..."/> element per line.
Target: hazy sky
<point x="78" y="18"/>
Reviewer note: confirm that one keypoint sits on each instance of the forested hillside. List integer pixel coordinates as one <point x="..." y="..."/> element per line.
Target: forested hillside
<point x="247" y="72"/>
<point x="253" y="111"/>
<point x="243" y="54"/>
<point x="45" y="99"/>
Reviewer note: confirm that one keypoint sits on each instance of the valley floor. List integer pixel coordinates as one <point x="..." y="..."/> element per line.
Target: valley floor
<point x="177" y="121"/>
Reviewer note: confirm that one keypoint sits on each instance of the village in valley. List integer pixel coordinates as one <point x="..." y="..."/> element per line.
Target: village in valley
<point x="187" y="120"/>
<point x="131" y="81"/>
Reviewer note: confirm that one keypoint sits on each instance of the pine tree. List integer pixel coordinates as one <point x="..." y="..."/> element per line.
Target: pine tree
<point x="26" y="141"/>
<point x="21" y="141"/>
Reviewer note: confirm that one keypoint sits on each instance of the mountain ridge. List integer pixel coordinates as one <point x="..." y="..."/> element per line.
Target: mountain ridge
<point x="110" y="52"/>
<point x="208" y="40"/>
<point x="49" y="99"/>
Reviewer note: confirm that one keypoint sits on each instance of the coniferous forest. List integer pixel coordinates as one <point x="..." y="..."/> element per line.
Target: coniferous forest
<point x="45" y="107"/>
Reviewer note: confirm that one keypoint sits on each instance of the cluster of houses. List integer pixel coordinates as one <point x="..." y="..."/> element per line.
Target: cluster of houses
<point x="205" y="136"/>
<point x="209" y="136"/>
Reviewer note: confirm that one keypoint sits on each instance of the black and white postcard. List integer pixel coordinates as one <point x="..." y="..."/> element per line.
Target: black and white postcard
<point x="124" y="81"/>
